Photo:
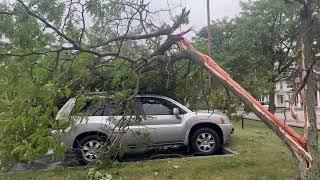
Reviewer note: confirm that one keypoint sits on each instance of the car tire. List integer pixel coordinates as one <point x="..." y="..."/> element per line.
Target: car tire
<point x="88" y="148"/>
<point x="205" y="141"/>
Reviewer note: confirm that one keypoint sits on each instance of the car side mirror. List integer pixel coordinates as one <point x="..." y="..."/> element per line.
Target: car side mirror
<point x="176" y="112"/>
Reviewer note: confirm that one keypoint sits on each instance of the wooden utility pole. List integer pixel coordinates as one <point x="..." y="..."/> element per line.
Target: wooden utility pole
<point x="209" y="39"/>
<point x="209" y="28"/>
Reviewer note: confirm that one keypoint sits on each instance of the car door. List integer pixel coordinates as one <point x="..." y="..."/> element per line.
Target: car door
<point x="88" y="114"/>
<point x="125" y="124"/>
<point x="164" y="127"/>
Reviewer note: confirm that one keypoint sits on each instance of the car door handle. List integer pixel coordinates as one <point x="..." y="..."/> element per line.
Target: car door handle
<point x="151" y="117"/>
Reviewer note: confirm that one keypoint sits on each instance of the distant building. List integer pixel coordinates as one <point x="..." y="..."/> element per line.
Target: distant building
<point x="284" y="92"/>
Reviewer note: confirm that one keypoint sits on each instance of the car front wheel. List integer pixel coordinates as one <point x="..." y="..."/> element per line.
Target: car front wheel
<point x="205" y="141"/>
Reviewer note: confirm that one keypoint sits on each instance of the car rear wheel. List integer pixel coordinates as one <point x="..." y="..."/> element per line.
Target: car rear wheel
<point x="205" y="141"/>
<point x="91" y="148"/>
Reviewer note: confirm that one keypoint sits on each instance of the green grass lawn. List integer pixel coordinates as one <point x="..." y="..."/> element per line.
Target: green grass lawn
<point x="262" y="156"/>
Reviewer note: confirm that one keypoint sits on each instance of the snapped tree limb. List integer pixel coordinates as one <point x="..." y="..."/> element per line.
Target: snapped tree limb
<point x="293" y="140"/>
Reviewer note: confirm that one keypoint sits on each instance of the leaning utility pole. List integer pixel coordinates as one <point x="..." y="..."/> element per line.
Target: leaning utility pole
<point x="209" y="28"/>
<point x="209" y="39"/>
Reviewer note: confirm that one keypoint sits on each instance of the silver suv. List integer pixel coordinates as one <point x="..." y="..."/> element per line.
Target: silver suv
<point x="163" y="119"/>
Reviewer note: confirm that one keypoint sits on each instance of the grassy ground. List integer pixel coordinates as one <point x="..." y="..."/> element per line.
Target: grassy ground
<point x="262" y="156"/>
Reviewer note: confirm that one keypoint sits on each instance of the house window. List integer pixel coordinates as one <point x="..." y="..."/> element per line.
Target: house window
<point x="280" y="100"/>
<point x="281" y="85"/>
<point x="290" y="96"/>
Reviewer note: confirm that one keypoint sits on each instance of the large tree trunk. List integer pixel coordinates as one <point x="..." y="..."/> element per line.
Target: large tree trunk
<point x="272" y="106"/>
<point x="313" y="169"/>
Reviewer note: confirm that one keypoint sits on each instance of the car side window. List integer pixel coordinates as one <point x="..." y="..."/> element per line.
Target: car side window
<point x="156" y="106"/>
<point x="92" y="108"/>
<point x="113" y="109"/>
<point x="153" y="106"/>
<point x="119" y="108"/>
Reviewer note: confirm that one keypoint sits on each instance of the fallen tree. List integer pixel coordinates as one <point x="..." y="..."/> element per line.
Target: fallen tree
<point x="116" y="37"/>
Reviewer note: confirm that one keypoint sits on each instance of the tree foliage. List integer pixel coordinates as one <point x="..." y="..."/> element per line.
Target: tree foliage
<point x="53" y="50"/>
<point x="262" y="43"/>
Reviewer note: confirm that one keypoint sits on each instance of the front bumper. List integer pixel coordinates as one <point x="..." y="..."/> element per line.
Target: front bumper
<point x="228" y="131"/>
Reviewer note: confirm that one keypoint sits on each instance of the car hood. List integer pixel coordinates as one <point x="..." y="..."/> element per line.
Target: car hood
<point x="210" y="115"/>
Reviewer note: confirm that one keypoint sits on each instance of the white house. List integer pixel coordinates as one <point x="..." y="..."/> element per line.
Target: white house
<point x="283" y="94"/>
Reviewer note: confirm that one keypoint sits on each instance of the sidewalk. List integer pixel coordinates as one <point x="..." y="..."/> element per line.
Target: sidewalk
<point x="290" y="121"/>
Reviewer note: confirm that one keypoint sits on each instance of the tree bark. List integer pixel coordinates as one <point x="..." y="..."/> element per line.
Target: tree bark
<point x="313" y="170"/>
<point x="272" y="94"/>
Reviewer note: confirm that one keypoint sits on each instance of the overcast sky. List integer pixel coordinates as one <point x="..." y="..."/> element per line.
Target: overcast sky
<point x="198" y="9"/>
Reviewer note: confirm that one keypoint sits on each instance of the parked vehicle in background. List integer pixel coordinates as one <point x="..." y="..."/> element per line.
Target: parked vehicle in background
<point x="265" y="105"/>
<point x="163" y="119"/>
